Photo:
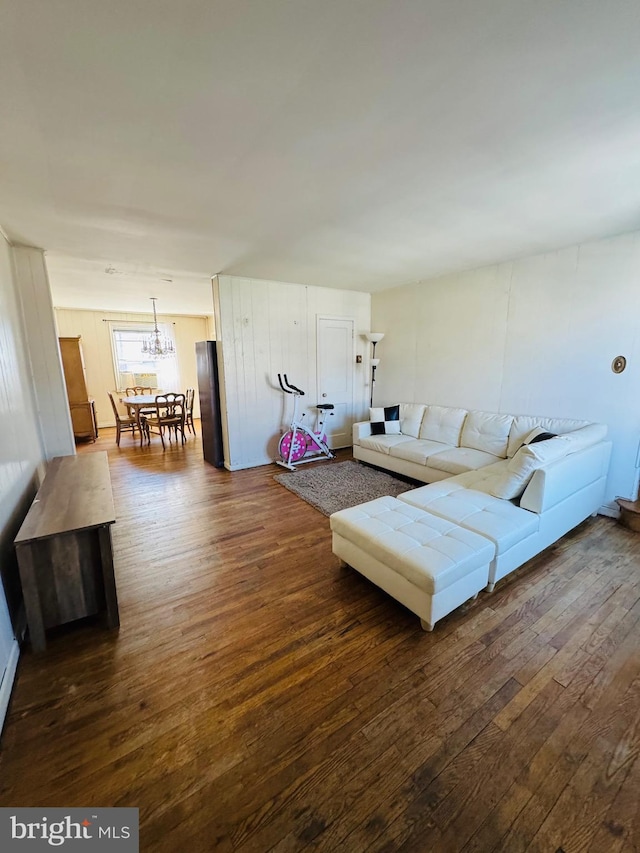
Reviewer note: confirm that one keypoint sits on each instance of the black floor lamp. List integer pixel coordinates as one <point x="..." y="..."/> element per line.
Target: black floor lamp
<point x="374" y="338"/>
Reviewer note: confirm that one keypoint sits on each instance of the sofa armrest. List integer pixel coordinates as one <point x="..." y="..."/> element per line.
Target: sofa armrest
<point x="559" y="480"/>
<point x="361" y="430"/>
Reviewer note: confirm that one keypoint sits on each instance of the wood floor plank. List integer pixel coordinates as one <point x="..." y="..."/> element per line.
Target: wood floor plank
<point x="461" y="816"/>
<point x="258" y="697"/>
<point x="620" y="826"/>
<point x="594" y="759"/>
<point x="556" y="663"/>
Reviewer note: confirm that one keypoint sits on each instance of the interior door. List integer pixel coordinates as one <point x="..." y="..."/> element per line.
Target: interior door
<point x="335" y="360"/>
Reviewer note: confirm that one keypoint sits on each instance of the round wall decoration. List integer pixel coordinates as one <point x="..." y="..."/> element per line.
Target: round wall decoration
<point x="618" y="364"/>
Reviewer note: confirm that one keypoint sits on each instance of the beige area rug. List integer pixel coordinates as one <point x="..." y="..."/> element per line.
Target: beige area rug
<point x="333" y="486"/>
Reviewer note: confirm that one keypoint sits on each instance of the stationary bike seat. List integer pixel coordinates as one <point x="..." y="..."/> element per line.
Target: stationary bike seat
<point x="325" y="406"/>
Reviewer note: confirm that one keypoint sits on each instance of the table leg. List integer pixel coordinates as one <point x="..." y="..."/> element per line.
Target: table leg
<point x="139" y="423"/>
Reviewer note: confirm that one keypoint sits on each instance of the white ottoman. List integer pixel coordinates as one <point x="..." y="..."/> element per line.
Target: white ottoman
<point x="427" y="563"/>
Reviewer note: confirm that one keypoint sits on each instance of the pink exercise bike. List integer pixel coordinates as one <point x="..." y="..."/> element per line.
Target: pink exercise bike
<point x="300" y="444"/>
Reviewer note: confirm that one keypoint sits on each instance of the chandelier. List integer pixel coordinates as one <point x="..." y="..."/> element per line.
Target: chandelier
<point x="156" y="344"/>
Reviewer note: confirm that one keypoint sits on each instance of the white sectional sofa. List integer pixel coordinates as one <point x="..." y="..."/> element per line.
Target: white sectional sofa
<point x="484" y="478"/>
<point x="436" y="442"/>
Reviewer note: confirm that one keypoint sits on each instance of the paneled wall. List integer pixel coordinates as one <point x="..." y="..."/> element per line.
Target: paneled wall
<point x="536" y="336"/>
<point x="45" y="364"/>
<point x="21" y="457"/>
<point x="94" y="329"/>
<point x="265" y="328"/>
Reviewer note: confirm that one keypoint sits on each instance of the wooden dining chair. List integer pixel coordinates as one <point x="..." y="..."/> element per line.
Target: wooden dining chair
<point x="124" y="423"/>
<point x="138" y="390"/>
<point x="188" y="415"/>
<point x="169" y="414"/>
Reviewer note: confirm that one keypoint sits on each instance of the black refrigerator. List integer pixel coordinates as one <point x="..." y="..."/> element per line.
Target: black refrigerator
<point x="209" y="392"/>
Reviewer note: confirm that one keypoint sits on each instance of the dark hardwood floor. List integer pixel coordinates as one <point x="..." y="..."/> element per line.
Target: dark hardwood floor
<point x="257" y="697"/>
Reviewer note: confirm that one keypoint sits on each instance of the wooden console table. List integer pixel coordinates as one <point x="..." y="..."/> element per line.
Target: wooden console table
<point x="64" y="546"/>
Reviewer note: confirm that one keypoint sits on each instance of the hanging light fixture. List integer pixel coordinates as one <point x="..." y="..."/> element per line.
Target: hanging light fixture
<point x="156" y="344"/>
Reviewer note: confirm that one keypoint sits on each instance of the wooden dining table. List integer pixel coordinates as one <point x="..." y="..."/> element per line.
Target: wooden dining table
<point x="136" y="403"/>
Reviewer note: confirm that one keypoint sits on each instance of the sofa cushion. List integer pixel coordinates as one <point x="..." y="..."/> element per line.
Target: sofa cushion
<point x="443" y="423"/>
<point x="440" y="489"/>
<point x="460" y="459"/>
<point x="523" y="424"/>
<point x="512" y="482"/>
<point x="470" y="479"/>
<point x="427" y="550"/>
<point x="579" y="439"/>
<point x="385" y="420"/>
<point x="417" y="450"/>
<point x="487" y="431"/>
<point x="383" y="443"/>
<point x="410" y="418"/>
<point x="499" y="520"/>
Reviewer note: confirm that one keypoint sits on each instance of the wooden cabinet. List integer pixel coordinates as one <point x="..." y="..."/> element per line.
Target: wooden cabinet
<point x="64" y="547"/>
<point x="83" y="418"/>
<point x="81" y="405"/>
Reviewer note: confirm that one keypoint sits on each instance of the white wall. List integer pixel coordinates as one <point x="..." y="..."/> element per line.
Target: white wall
<point x="21" y="456"/>
<point x="265" y="328"/>
<point x="93" y="327"/>
<point x="533" y="336"/>
<point x="45" y="364"/>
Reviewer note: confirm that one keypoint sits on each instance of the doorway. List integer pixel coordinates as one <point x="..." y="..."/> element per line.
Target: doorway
<point x="335" y="360"/>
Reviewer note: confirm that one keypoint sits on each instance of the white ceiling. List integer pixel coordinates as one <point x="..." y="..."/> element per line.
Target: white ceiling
<point x="361" y="144"/>
<point x="96" y="286"/>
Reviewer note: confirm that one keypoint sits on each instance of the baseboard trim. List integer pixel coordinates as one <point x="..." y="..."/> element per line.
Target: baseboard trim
<point x="7" y="681"/>
<point x="610" y="511"/>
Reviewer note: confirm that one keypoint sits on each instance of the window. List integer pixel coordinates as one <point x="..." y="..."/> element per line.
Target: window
<point x="133" y="367"/>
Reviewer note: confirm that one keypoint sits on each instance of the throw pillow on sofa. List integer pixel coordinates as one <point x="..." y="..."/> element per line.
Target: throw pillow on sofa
<point x="537" y="434"/>
<point x="514" y="480"/>
<point x="385" y="421"/>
